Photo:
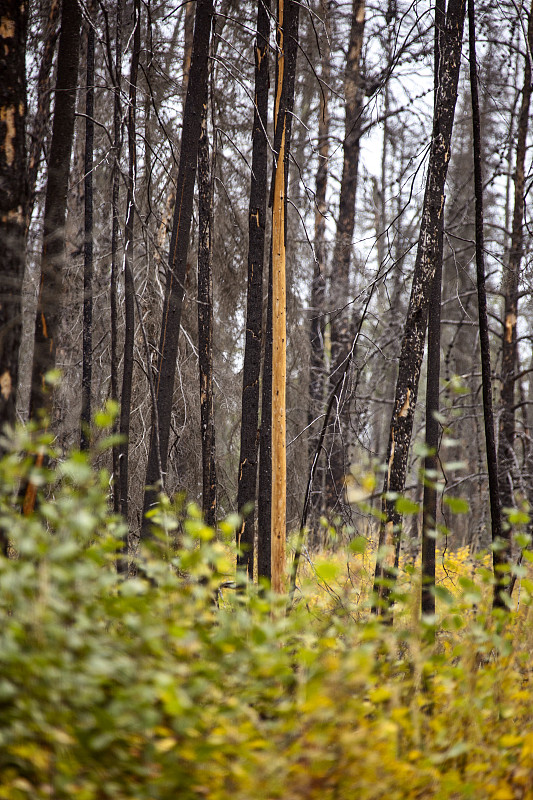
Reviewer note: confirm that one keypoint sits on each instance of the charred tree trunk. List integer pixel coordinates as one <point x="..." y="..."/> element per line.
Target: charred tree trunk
<point x="412" y="350"/>
<point x="38" y="131"/>
<point x="13" y="200"/>
<point x="341" y="317"/>
<point x="188" y="33"/>
<point x="431" y="461"/>
<point x="115" y="190"/>
<point x="53" y="255"/>
<point x="499" y="555"/>
<point x="13" y="208"/>
<point x="88" y="268"/>
<point x="264" y="499"/>
<point x="247" y="479"/>
<point x="506" y="455"/>
<point x="318" y="295"/>
<point x="205" y="326"/>
<point x="129" y="287"/>
<point x="179" y="245"/>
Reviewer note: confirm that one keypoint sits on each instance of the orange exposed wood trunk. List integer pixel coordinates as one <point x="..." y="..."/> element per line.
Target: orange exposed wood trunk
<point x="287" y="37"/>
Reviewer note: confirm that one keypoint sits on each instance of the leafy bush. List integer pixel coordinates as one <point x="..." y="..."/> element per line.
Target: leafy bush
<point x="148" y="689"/>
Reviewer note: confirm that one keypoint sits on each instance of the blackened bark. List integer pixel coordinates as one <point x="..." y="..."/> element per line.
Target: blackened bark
<point x="13" y="207"/>
<point x="40" y="121"/>
<point x="412" y="350"/>
<point x="506" y="455"/>
<point x="499" y="554"/>
<point x="264" y="498"/>
<point x="205" y="327"/>
<point x="117" y="136"/>
<point x="188" y="33"/>
<point x="341" y="317"/>
<point x="129" y="287"/>
<point x="87" y="365"/>
<point x="318" y="296"/>
<point x="431" y="461"/>
<point x="53" y="254"/>
<point x="179" y="245"/>
<point x="13" y="199"/>
<point x="247" y="479"/>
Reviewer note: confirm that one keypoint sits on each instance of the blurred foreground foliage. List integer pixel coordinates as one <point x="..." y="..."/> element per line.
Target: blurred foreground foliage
<point x="163" y="685"/>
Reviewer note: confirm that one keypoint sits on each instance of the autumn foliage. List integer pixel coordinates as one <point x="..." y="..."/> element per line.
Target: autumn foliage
<point x="174" y="682"/>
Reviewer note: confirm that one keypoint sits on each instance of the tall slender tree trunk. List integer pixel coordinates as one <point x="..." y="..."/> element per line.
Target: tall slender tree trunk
<point x="318" y="290"/>
<point x="342" y="316"/>
<point x="247" y="478"/>
<point x="13" y="199"/>
<point x="40" y="121"/>
<point x="412" y="350"/>
<point x="88" y="268"/>
<point x="188" y="33"/>
<point x="431" y="461"/>
<point x="115" y="226"/>
<point x="205" y="325"/>
<point x="506" y="455"/>
<point x="179" y="245"/>
<point x="13" y="207"/>
<point x="53" y="254"/>
<point x="264" y="498"/>
<point x="288" y="18"/>
<point x="129" y="286"/>
<point x="499" y="558"/>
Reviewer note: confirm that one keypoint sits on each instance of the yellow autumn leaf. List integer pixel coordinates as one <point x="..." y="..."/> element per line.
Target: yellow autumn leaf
<point x="164" y="745"/>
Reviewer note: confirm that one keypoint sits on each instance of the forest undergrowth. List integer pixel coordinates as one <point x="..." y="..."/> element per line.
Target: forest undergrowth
<point x="165" y="685"/>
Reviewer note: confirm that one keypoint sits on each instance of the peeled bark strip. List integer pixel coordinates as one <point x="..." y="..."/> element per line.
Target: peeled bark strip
<point x="88" y="268"/>
<point x="205" y="328"/>
<point x="179" y="245"/>
<point x="13" y="198"/>
<point x="506" y="456"/>
<point x="129" y="286"/>
<point x="341" y="325"/>
<point x="247" y="479"/>
<point x="53" y="255"/>
<point x="415" y="326"/>
<point x="499" y="555"/>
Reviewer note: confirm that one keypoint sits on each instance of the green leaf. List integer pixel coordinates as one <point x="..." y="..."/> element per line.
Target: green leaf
<point x="358" y="545"/>
<point x="76" y="468"/>
<point x="327" y="571"/>
<point x="457" y="505"/>
<point x="454" y="466"/>
<point x="106" y="416"/>
<point x="442" y="593"/>
<point x="406" y="506"/>
<point x="517" y="517"/>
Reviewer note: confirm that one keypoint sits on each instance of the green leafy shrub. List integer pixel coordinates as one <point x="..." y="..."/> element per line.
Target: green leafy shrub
<point x="147" y="689"/>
